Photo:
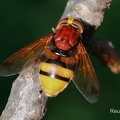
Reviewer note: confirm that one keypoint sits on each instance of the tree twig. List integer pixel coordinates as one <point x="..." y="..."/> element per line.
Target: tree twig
<point x="25" y="101"/>
<point x="90" y="11"/>
<point x="106" y="54"/>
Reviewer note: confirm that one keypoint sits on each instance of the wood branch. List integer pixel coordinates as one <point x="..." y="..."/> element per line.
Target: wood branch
<point x="90" y="11"/>
<point x="106" y="54"/>
<point x="25" y="102"/>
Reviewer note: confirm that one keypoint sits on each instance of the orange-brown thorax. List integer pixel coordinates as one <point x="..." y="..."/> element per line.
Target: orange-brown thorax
<point x="66" y="37"/>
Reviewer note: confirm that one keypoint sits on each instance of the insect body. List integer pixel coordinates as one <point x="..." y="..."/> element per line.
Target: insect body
<point x="62" y="58"/>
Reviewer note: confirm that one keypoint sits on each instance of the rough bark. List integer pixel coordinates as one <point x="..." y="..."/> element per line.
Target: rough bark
<point x="25" y="101"/>
<point x="106" y="54"/>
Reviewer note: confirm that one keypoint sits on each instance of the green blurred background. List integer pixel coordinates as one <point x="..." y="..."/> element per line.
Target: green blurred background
<point x="24" y="21"/>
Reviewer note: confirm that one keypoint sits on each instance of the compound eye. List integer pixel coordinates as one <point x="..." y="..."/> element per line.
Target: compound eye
<point x="77" y="24"/>
<point x="62" y="22"/>
<point x="71" y="21"/>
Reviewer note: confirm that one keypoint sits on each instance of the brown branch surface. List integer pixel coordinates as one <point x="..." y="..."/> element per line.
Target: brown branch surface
<point x="25" y="101"/>
<point x="106" y="54"/>
<point x="91" y="11"/>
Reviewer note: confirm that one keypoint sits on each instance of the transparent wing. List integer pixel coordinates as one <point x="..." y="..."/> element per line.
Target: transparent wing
<point x="14" y="64"/>
<point x="85" y="77"/>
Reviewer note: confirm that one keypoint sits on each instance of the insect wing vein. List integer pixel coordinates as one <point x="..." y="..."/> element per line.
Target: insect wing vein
<point x="85" y="77"/>
<point x="14" y="64"/>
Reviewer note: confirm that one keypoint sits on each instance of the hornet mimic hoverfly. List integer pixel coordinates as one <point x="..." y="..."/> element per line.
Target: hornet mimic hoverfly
<point x="62" y="57"/>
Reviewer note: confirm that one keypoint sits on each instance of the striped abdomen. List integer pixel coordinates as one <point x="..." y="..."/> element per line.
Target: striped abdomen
<point x="53" y="77"/>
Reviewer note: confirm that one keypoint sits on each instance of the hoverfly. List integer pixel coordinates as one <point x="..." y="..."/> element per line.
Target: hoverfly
<point x="62" y="57"/>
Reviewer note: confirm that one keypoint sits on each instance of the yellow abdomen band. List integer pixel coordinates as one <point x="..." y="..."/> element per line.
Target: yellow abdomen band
<point x="54" y="78"/>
